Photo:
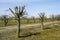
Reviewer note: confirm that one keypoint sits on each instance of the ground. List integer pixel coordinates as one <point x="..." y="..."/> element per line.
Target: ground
<point x="51" y="32"/>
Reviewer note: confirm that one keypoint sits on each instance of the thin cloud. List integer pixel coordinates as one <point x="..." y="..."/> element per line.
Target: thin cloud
<point x="32" y="0"/>
<point x="4" y="1"/>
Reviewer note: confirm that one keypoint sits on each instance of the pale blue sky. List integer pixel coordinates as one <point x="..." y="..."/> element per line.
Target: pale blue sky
<point x="33" y="7"/>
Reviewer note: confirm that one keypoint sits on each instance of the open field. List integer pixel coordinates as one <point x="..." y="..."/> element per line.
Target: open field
<point x="50" y="33"/>
<point x="14" y="22"/>
<point x="34" y="33"/>
<point x="29" y="20"/>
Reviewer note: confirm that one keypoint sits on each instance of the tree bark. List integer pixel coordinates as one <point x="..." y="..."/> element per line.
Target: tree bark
<point x="42" y="26"/>
<point x="18" y="27"/>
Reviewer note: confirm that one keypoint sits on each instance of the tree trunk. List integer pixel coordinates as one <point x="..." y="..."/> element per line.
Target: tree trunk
<point x="18" y="27"/>
<point x="5" y="23"/>
<point x="42" y="26"/>
<point x="34" y="20"/>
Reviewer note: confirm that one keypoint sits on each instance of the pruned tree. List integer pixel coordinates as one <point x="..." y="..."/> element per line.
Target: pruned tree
<point x="57" y="17"/>
<point x="5" y="19"/>
<point x="52" y="17"/>
<point x="26" y="18"/>
<point x="18" y="12"/>
<point x="42" y="18"/>
<point x="33" y="18"/>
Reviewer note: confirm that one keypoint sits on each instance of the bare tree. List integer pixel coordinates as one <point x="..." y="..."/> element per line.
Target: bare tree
<point x="57" y="17"/>
<point x="5" y="19"/>
<point x="18" y="12"/>
<point x="52" y="19"/>
<point x="33" y="19"/>
<point x="42" y="18"/>
<point x="26" y="18"/>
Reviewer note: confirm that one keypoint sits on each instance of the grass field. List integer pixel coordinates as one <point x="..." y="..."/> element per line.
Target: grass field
<point x="51" y="32"/>
<point x="14" y="22"/>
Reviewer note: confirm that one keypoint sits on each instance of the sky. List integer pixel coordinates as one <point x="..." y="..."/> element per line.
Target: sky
<point x="33" y="7"/>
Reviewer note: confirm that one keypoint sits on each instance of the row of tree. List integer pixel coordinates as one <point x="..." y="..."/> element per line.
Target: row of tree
<point x="19" y="12"/>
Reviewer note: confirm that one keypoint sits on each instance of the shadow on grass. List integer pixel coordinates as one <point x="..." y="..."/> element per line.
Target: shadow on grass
<point x="48" y="28"/>
<point x="29" y="35"/>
